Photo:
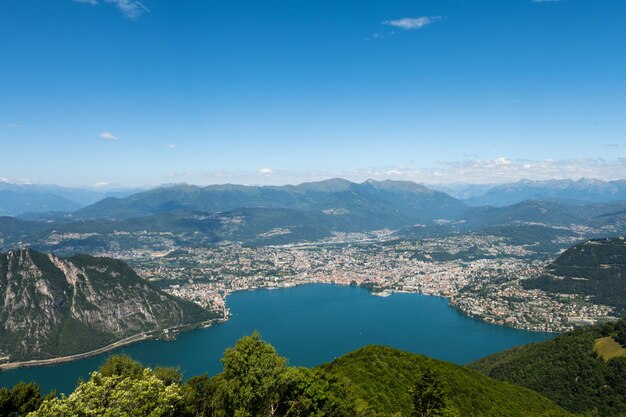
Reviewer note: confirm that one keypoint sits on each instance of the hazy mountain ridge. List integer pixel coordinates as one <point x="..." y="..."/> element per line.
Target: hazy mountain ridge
<point x="546" y="221"/>
<point x="13" y="203"/>
<point x="528" y="220"/>
<point x="191" y="215"/>
<point x="112" y="201"/>
<point x="51" y="306"/>
<point x="552" y="212"/>
<point x="18" y="198"/>
<point x="406" y="200"/>
<point x="591" y="190"/>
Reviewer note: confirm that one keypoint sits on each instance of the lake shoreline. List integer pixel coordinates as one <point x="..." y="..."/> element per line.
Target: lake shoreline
<point x="309" y="325"/>
<point x="141" y="337"/>
<point x="155" y="334"/>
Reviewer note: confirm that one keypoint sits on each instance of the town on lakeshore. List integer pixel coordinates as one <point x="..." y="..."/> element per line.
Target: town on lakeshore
<point x="481" y="275"/>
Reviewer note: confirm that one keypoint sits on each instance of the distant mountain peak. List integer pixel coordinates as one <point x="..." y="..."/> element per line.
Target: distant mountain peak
<point x="328" y="185"/>
<point x="583" y="189"/>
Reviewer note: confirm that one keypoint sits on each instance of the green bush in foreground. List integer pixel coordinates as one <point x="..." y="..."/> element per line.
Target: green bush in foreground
<point x="20" y="400"/>
<point x="116" y="395"/>
<point x="256" y="382"/>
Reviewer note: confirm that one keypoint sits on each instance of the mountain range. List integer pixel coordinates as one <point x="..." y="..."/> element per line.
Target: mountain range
<point x="18" y="198"/>
<point x="23" y="197"/>
<point x="398" y="201"/>
<point x="192" y="216"/>
<point x="590" y="190"/>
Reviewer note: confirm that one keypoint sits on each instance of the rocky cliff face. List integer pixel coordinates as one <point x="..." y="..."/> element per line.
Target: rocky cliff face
<point x="51" y="306"/>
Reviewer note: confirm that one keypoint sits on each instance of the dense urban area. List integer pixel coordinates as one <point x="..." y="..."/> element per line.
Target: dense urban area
<point x="481" y="275"/>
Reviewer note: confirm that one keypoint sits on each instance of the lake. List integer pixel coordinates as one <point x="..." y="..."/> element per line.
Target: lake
<point x="309" y="325"/>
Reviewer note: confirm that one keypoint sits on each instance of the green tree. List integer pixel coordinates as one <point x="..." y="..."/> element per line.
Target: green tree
<point x="312" y="393"/>
<point x="20" y="400"/>
<point x="256" y="382"/>
<point x="429" y="397"/>
<point x="117" y="395"/>
<point x="252" y="374"/>
<point x="607" y="329"/>
<point x="169" y="375"/>
<point x="204" y="396"/>
<point x="122" y="365"/>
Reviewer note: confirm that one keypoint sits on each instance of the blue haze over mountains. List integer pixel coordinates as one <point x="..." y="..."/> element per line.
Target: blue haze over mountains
<point x="506" y="194"/>
<point x="261" y="215"/>
<point x="20" y="198"/>
<point x="399" y="200"/>
<point x="407" y="198"/>
<point x="17" y="199"/>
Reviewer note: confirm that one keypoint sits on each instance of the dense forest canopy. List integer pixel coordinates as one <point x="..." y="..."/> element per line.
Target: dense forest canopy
<point x="570" y="370"/>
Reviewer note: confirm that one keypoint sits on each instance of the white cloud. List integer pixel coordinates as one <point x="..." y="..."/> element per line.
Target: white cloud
<point x="13" y="126"/>
<point x="170" y="146"/>
<point x="21" y="181"/>
<point x="130" y="8"/>
<point x="502" y="161"/>
<point x="108" y="136"/>
<point x="476" y="171"/>
<point x="394" y="172"/>
<point x="506" y="170"/>
<point x="412" y="23"/>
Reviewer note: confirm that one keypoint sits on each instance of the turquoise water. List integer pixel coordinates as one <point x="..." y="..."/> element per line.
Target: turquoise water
<point x="309" y="325"/>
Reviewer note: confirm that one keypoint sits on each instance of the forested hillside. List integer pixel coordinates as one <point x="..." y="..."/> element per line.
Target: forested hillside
<point x="596" y="268"/>
<point x="385" y="377"/>
<point x="578" y="370"/>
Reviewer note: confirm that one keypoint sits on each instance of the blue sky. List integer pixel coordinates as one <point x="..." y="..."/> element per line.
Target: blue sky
<point x="278" y="91"/>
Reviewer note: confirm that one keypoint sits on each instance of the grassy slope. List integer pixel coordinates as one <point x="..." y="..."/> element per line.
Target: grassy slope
<point x="383" y="376"/>
<point x="608" y="348"/>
